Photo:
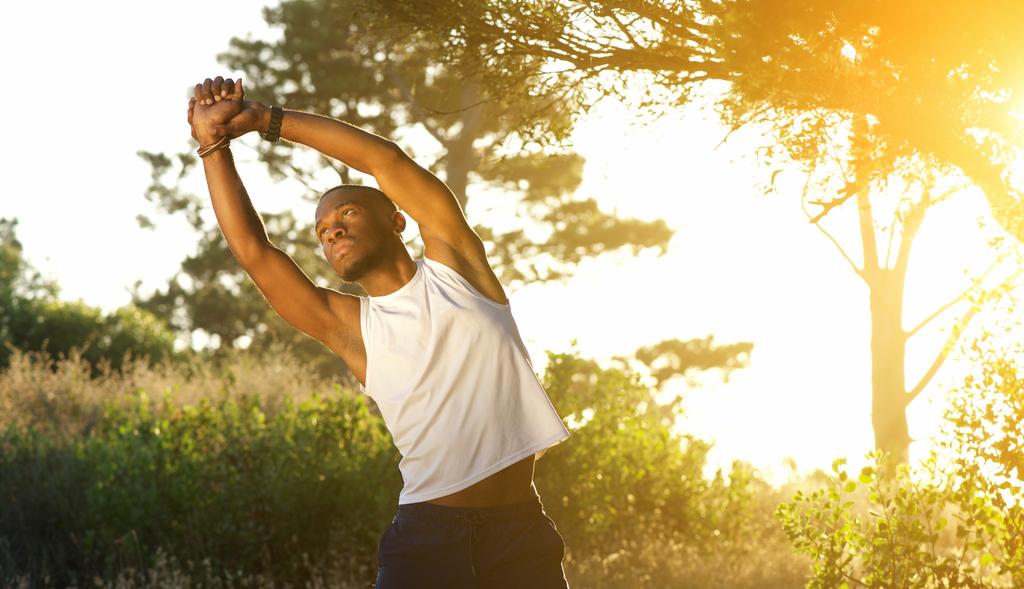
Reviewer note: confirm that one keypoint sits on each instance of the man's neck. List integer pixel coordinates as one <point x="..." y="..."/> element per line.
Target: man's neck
<point x="388" y="279"/>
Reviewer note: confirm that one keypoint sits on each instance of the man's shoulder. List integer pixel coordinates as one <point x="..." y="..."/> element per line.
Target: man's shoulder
<point x="470" y="264"/>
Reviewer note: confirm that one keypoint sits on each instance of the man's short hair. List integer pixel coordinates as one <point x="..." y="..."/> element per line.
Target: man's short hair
<point x="380" y="200"/>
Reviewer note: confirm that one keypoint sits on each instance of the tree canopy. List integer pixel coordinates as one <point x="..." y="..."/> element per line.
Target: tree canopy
<point x="941" y="81"/>
<point x="337" y="58"/>
<point x="870" y="99"/>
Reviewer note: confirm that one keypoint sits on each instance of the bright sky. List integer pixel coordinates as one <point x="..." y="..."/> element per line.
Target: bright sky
<point x="81" y="100"/>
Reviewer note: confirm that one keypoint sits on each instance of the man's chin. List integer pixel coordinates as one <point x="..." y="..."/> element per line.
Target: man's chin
<point x="349" y="273"/>
<point x="352" y="269"/>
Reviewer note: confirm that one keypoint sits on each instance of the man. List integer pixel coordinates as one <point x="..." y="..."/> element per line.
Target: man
<point x="434" y="344"/>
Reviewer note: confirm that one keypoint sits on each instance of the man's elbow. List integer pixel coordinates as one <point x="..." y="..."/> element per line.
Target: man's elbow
<point x="251" y="253"/>
<point x="389" y="155"/>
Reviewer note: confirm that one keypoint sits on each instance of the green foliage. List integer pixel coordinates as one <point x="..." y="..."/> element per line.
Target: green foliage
<point x="264" y="470"/>
<point x="60" y="327"/>
<point x="32" y="318"/>
<point x="625" y="467"/>
<point x="18" y="280"/>
<point x="673" y="357"/>
<point x="957" y="521"/>
<point x="20" y="284"/>
<point x="627" y="483"/>
<point x="221" y="481"/>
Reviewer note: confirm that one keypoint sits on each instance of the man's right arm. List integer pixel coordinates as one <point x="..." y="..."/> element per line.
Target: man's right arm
<point x="318" y="312"/>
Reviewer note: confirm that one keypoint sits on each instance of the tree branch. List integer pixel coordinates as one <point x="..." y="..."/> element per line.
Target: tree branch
<point x="940" y="358"/>
<point x="867" y="229"/>
<point x="300" y="175"/>
<point x="958" y="330"/>
<point x="745" y="120"/>
<point x="888" y="247"/>
<point x="847" y="191"/>
<point x="911" y="223"/>
<point x="625" y="31"/>
<point x="624" y="58"/>
<point x="405" y="91"/>
<point x="803" y="205"/>
<point x="960" y="297"/>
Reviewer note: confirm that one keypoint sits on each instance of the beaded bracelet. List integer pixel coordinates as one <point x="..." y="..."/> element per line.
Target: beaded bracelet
<point x="205" y="151"/>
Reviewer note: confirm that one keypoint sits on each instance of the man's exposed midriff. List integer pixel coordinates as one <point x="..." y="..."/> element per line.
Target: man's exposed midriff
<point x="513" y="484"/>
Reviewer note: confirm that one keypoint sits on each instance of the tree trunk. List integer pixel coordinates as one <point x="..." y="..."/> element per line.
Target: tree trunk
<point x="885" y="285"/>
<point x="888" y="355"/>
<point x="461" y="157"/>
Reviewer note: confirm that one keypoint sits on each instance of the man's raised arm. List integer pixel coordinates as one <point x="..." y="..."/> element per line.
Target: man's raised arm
<point x="414" y="189"/>
<point x="317" y="312"/>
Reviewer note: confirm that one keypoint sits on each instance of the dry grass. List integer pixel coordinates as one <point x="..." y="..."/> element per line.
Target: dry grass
<point x="666" y="563"/>
<point x="57" y="395"/>
<point x="169" y="573"/>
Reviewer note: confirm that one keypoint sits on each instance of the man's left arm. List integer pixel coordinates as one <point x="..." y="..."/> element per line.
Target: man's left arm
<point x="413" y="188"/>
<point x="447" y="235"/>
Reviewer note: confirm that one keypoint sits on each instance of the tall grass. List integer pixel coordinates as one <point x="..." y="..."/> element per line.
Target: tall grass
<point x="57" y="395"/>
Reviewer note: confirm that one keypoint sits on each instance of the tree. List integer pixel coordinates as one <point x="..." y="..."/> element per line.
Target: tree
<point x="337" y="58"/>
<point x="957" y="518"/>
<point x="33" y="319"/>
<point x="865" y="96"/>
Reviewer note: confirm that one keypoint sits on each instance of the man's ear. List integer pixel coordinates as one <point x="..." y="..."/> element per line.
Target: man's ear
<point x="399" y="220"/>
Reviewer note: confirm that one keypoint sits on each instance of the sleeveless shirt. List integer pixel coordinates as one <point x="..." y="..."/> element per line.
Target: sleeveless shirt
<point x="453" y="381"/>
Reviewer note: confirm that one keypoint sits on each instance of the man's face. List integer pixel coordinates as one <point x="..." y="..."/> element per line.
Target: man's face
<point x="352" y="232"/>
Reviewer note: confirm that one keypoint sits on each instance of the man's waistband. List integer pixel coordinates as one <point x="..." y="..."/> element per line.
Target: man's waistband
<point x="433" y="512"/>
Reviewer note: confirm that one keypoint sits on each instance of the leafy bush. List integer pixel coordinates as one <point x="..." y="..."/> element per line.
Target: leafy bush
<point x="60" y="327"/>
<point x="257" y="469"/>
<point x="629" y="496"/>
<point x="221" y="481"/>
<point x="957" y="520"/>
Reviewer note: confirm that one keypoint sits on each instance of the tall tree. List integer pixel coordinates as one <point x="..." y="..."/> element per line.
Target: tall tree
<point x="337" y="58"/>
<point x="867" y="96"/>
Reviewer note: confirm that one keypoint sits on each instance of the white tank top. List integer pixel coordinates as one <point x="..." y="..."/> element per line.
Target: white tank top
<point x="453" y="381"/>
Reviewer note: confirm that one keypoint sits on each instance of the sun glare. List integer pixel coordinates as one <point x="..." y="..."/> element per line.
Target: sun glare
<point x="745" y="267"/>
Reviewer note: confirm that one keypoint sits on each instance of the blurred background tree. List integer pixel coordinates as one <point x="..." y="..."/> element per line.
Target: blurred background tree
<point x="873" y="101"/>
<point x="338" y="58"/>
<point x="33" y="319"/>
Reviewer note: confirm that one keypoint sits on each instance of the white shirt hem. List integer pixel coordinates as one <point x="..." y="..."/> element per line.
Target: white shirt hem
<point x="416" y="498"/>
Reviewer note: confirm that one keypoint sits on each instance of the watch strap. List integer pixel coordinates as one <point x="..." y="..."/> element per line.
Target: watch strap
<point x="274" y="130"/>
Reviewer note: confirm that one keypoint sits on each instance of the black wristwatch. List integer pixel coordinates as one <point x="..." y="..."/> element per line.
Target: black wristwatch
<point x="274" y="131"/>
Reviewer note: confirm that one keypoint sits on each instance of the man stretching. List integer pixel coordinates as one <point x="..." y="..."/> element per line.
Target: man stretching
<point x="434" y="344"/>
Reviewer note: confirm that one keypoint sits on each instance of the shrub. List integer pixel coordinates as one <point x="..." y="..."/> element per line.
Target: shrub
<point x="956" y="520"/>
<point x="629" y="495"/>
<point x="33" y="319"/>
<point x="222" y="480"/>
<point x="256" y="469"/>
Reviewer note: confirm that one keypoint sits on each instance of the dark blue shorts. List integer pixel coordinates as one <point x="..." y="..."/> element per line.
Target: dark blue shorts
<point x="503" y="547"/>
